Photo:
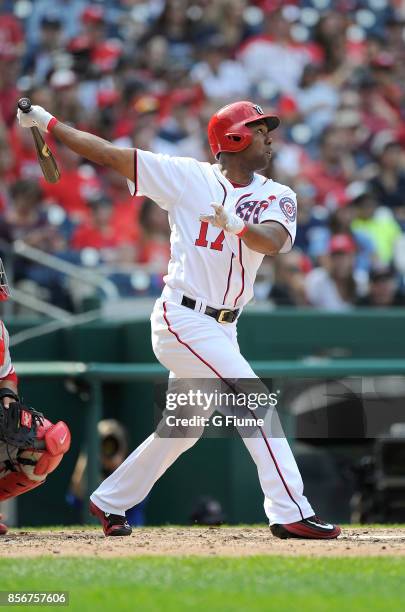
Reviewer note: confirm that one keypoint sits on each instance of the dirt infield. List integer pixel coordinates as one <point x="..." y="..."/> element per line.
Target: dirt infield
<point x="200" y="541"/>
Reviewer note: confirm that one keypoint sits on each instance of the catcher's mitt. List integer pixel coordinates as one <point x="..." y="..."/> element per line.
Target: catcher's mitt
<point x="18" y="423"/>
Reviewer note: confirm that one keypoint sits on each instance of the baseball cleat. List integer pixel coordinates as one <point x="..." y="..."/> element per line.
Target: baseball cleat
<point x="113" y="524"/>
<point x="3" y="529"/>
<point x="311" y="528"/>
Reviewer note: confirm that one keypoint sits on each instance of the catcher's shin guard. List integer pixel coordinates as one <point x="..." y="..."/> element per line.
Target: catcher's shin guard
<point x="31" y="466"/>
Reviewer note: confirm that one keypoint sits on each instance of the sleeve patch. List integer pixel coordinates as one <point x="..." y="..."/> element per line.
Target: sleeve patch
<point x="289" y="208"/>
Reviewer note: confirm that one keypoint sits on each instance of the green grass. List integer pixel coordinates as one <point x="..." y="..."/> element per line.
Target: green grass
<point x="163" y="584"/>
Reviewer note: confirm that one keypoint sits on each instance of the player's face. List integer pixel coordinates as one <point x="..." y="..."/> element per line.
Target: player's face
<point x="257" y="155"/>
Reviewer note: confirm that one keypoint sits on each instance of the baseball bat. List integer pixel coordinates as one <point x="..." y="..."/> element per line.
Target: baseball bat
<point x="46" y="159"/>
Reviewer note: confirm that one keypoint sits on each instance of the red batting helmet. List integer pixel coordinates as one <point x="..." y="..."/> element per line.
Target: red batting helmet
<point x="228" y="131"/>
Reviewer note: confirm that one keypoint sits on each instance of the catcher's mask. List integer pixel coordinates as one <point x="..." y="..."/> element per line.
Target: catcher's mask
<point x="228" y="128"/>
<point x="4" y="287"/>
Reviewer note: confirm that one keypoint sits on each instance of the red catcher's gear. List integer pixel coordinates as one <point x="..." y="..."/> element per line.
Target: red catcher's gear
<point x="32" y="466"/>
<point x="228" y="131"/>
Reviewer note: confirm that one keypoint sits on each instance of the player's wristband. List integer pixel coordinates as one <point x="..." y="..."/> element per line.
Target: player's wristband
<point x="243" y="231"/>
<point x="52" y="122"/>
<point x="235" y="225"/>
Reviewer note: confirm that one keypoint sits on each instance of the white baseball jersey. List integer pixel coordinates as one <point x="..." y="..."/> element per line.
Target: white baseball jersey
<point x="6" y="367"/>
<point x="208" y="262"/>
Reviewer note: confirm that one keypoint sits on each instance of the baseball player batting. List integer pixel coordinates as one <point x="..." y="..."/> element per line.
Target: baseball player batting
<point x="224" y="218"/>
<point x="31" y="447"/>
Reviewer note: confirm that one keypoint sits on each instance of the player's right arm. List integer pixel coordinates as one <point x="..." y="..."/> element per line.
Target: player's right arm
<point x="96" y="149"/>
<point x="86" y="145"/>
<point x="160" y="177"/>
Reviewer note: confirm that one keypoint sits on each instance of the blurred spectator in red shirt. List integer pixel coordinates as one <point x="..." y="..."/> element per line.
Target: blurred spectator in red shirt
<point x="100" y="234"/>
<point x="78" y="184"/>
<point x="383" y="72"/>
<point x="126" y="208"/>
<point x="11" y="32"/>
<point x="25" y="161"/>
<point x="9" y="93"/>
<point x="332" y="171"/>
<point x="377" y="113"/>
<point x="154" y="245"/>
<point x="96" y="58"/>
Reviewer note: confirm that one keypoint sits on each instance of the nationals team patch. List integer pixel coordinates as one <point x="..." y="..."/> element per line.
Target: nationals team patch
<point x="289" y="208"/>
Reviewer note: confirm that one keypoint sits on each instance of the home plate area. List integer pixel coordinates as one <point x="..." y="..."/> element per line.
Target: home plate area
<point x="199" y="541"/>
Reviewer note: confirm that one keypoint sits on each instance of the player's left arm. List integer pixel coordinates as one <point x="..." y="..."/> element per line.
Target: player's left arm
<point x="267" y="238"/>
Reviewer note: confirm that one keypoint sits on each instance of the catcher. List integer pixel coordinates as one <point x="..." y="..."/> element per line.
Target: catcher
<point x="31" y="447"/>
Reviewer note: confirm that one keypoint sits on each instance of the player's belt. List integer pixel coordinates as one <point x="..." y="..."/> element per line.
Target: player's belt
<point x="222" y="315"/>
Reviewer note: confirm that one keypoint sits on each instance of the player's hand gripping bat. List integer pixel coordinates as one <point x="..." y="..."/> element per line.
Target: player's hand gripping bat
<point x="45" y="157"/>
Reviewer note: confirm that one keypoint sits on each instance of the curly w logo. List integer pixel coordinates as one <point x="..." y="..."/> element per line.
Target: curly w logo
<point x="250" y="210"/>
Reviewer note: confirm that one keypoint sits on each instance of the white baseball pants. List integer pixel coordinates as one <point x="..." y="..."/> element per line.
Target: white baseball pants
<point x="193" y="345"/>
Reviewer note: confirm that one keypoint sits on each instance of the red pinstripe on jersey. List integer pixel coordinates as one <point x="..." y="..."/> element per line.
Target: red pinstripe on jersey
<point x="243" y="273"/>
<point x="229" y="279"/>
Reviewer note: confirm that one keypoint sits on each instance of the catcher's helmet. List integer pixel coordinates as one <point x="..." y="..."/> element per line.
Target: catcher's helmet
<point x="227" y="129"/>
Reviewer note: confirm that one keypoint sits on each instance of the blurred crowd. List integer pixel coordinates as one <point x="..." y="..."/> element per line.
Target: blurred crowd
<point x="149" y="73"/>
